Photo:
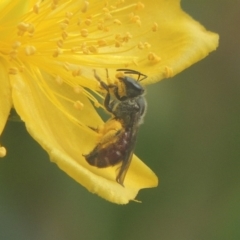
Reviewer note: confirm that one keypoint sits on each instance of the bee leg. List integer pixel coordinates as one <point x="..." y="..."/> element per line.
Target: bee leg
<point x="103" y="84"/>
<point x="106" y="87"/>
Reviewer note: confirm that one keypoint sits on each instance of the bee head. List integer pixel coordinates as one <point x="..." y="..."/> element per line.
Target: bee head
<point x="132" y="87"/>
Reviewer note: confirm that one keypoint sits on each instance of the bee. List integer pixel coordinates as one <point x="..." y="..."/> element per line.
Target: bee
<point x="127" y="105"/>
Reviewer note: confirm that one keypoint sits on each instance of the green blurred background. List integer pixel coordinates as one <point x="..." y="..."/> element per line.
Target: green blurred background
<point x="190" y="138"/>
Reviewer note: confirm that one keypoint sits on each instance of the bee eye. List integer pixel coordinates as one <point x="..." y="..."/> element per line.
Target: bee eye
<point x="133" y="87"/>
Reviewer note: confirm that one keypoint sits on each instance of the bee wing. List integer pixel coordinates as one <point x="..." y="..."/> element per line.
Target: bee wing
<point x="126" y="161"/>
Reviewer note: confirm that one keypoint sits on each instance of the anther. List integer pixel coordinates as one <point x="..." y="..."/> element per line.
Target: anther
<point x="69" y="15"/>
<point x="139" y="6"/>
<point x="63" y="25"/>
<point x="97" y="104"/>
<point x="102" y="43"/>
<point x="60" y="43"/>
<point x="36" y="8"/>
<point x="78" y="89"/>
<point x="85" y="6"/>
<point x="59" y="80"/>
<point x="84" y="32"/>
<point x="152" y="57"/>
<point x="64" y="35"/>
<point x="16" y="44"/>
<point x="76" y="72"/>
<point x="168" y="72"/>
<point x="93" y="49"/>
<point x="155" y="27"/>
<point x="108" y="16"/>
<point x="88" y="22"/>
<point x="3" y="151"/>
<point x="141" y="45"/>
<point x="30" y="50"/>
<point x="57" y="52"/>
<point x="31" y="29"/>
<point x="66" y="66"/>
<point x="78" y="105"/>
<point x="117" y="21"/>
<point x="147" y="45"/>
<point x="22" y="26"/>
<point x="53" y="6"/>
<point x="13" y="70"/>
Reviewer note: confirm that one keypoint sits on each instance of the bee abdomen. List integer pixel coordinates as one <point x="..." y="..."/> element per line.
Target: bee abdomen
<point x="110" y="155"/>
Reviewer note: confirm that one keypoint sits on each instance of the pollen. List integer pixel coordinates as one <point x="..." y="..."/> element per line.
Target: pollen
<point x="3" y="151"/>
<point x="78" y="105"/>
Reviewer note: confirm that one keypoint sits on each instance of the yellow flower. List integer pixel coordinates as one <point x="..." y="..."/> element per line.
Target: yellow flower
<point x="48" y="50"/>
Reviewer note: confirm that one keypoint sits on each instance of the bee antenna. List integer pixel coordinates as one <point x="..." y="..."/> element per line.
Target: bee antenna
<point x="130" y="71"/>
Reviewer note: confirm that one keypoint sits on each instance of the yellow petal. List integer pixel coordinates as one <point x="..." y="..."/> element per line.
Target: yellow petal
<point x="166" y="41"/>
<point x="5" y="95"/>
<point x="66" y="141"/>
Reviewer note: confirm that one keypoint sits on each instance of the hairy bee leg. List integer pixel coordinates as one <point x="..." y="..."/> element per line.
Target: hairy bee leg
<point x="106" y="87"/>
<point x="103" y="84"/>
